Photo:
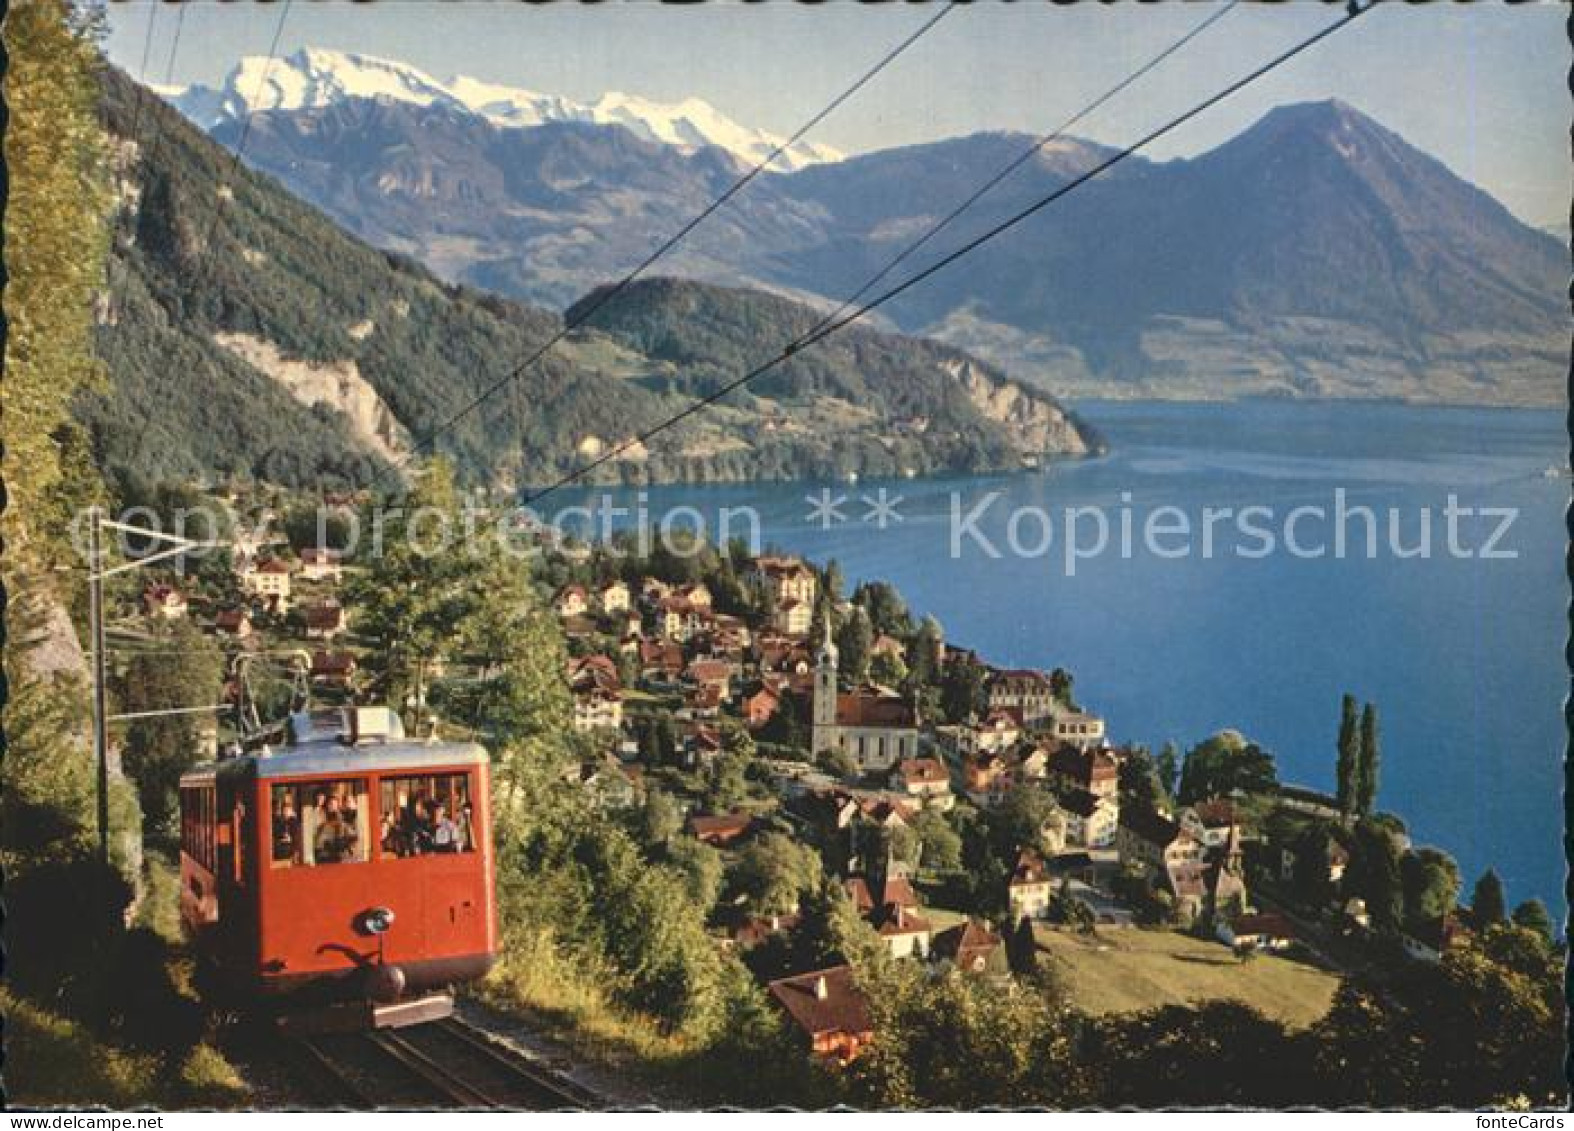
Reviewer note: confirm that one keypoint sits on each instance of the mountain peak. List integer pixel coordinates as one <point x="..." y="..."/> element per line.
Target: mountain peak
<point x="316" y="77"/>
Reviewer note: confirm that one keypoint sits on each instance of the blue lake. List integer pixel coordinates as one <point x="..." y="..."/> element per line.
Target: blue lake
<point x="1462" y="654"/>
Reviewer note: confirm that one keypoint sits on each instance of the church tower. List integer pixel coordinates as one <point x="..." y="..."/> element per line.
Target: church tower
<point x="824" y="735"/>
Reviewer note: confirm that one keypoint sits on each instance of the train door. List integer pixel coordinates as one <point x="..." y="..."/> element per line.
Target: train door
<point x="235" y="865"/>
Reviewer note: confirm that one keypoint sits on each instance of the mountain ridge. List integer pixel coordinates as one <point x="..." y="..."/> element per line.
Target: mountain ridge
<point x="314" y="78"/>
<point x="247" y="335"/>
<point x="1316" y="253"/>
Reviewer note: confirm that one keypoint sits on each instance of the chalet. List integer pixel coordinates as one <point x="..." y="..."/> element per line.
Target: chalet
<point x="698" y="596"/>
<point x="785" y="579"/>
<point x="987" y="779"/>
<point x="1028" y="890"/>
<point x="597" y="709"/>
<point x="793" y="618"/>
<point x="1210" y="823"/>
<point x="971" y="947"/>
<point x="720" y="831"/>
<point x="924" y="778"/>
<point x="1266" y="930"/>
<point x="164" y="601"/>
<point x="613" y="597"/>
<point x="325" y="621"/>
<point x="1077" y="767"/>
<point x="701" y="746"/>
<point x="333" y="669"/>
<point x="1152" y="843"/>
<point x="233" y="622"/>
<point x="1078" y="728"/>
<point x="679" y="620"/>
<point x="596" y="672"/>
<point x="320" y="564"/>
<point x="570" y="601"/>
<point x="827" y="1007"/>
<point x="1000" y="730"/>
<point x="702" y="702"/>
<point x="1026" y="692"/>
<point x="652" y="591"/>
<point x="270" y="581"/>
<point x="761" y="707"/>
<point x="660" y="663"/>
<point x="711" y="674"/>
<point x="1336" y="856"/>
<point x="905" y="932"/>
<point x="1091" y="820"/>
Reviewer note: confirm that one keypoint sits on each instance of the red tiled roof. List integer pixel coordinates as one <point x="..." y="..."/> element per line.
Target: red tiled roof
<point x="868" y="709"/>
<point x="965" y="942"/>
<point x="823" y="1002"/>
<point x="894" y="919"/>
<point x="1269" y="923"/>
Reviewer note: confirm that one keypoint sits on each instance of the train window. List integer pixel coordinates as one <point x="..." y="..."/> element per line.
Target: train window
<point x="324" y="822"/>
<point x="423" y="813"/>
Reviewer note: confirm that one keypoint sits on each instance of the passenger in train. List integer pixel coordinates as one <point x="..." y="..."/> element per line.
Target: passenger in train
<point x="335" y="839"/>
<point x="466" y="827"/>
<point x="445" y="833"/>
<point x="286" y="830"/>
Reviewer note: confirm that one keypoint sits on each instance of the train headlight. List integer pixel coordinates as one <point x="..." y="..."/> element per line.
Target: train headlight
<point x="377" y="921"/>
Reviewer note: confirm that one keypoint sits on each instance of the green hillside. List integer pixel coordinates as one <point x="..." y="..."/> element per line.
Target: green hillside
<point x="247" y="335"/>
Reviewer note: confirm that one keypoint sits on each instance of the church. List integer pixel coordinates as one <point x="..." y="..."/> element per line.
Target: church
<point x="876" y="728"/>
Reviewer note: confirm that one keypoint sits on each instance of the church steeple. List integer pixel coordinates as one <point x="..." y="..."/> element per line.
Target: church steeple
<point x="825" y="735"/>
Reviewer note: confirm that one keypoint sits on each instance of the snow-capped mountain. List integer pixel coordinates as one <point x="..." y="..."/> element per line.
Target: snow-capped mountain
<point x="313" y="78"/>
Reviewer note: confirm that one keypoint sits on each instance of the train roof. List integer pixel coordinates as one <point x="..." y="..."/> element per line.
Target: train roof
<point x="351" y="740"/>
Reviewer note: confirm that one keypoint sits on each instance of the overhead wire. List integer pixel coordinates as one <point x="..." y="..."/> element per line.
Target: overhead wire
<point x="601" y="298"/>
<point x="825" y="329"/>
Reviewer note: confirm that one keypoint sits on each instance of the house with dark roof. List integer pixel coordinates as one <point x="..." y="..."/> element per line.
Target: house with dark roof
<point x="1260" y="930"/>
<point x="971" y="947"/>
<point x="722" y="830"/>
<point x="324" y="621"/>
<point x="828" y="1007"/>
<point x="1028" y="889"/>
<point x="904" y="931"/>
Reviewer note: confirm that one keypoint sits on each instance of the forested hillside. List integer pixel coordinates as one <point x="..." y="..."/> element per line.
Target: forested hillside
<point x="247" y="335"/>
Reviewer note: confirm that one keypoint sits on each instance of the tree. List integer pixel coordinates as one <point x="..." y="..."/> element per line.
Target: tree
<point x="1223" y="764"/>
<point x="1139" y="784"/>
<point x="886" y="610"/>
<point x="1487" y="903"/>
<point x="727" y="788"/>
<point x="962" y="692"/>
<point x="1310" y="873"/>
<point x="887" y="669"/>
<point x="924" y="654"/>
<point x="853" y="642"/>
<point x="941" y="845"/>
<point x="1374" y="874"/>
<point x="1347" y="770"/>
<point x="185" y="670"/>
<point x="1366" y="782"/>
<point x="701" y="867"/>
<point x="1430" y="880"/>
<point x="1532" y="915"/>
<point x="659" y="819"/>
<point x="837" y="762"/>
<point x="1023" y="820"/>
<point x="772" y="873"/>
<point x="1168" y="768"/>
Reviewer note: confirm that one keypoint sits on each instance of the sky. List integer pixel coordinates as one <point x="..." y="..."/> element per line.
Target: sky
<point x="1481" y="87"/>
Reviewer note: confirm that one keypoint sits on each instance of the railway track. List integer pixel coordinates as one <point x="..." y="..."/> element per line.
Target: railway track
<point x="440" y="1065"/>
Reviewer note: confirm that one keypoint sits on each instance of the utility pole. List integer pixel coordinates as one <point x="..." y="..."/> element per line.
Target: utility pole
<point x="95" y="592"/>
<point x="100" y="694"/>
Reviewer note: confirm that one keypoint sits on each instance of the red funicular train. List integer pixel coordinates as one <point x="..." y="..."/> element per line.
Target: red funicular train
<point x="346" y="875"/>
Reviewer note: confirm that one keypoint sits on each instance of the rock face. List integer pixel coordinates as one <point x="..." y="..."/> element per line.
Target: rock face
<point x="336" y="385"/>
<point x="1038" y="425"/>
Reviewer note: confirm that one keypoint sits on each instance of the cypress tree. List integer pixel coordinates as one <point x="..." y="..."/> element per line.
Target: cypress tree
<point x="1366" y="778"/>
<point x="1487" y="905"/>
<point x="1349" y="756"/>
